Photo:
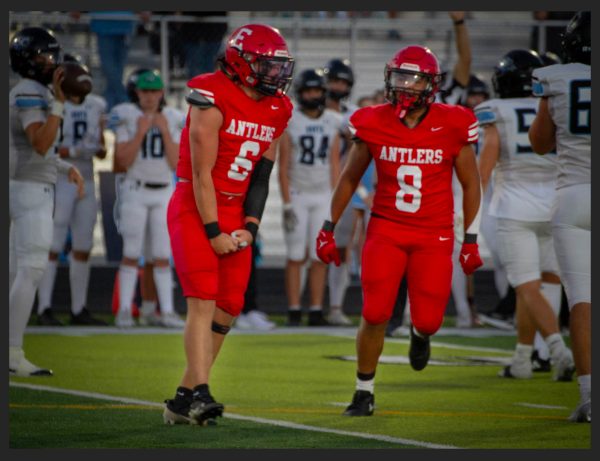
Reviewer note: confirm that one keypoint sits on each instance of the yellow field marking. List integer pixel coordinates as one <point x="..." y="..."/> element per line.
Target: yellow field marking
<point x="404" y="413"/>
<point x="298" y="411"/>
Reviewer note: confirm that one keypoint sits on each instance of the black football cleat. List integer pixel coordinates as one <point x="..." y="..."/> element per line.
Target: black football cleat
<point x="204" y="410"/>
<point x="294" y="318"/>
<point x="177" y="412"/>
<point x="47" y="319"/>
<point x="316" y="319"/>
<point x="363" y="404"/>
<point x="538" y="364"/>
<point x="85" y="318"/>
<point x="419" y="351"/>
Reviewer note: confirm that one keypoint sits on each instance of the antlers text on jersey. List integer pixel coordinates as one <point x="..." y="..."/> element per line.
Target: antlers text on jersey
<point x="410" y="155"/>
<point x="251" y="130"/>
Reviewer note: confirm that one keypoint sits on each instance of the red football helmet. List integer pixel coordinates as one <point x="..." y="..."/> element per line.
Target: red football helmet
<point x="412" y="77"/>
<point x="258" y="55"/>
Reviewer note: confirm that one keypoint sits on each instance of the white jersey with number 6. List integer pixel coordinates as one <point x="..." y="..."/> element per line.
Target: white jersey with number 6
<point x="568" y="88"/>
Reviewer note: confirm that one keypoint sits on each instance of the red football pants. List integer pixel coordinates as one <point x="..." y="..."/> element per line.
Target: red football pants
<point x="390" y="249"/>
<point x="202" y="273"/>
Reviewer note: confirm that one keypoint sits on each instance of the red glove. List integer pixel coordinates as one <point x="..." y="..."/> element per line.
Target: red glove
<point x="469" y="257"/>
<point x="326" y="248"/>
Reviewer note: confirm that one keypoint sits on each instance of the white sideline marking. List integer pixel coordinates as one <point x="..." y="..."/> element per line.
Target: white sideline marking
<point x="338" y="404"/>
<point x="272" y="422"/>
<point x="455" y="346"/>
<point x="539" y="405"/>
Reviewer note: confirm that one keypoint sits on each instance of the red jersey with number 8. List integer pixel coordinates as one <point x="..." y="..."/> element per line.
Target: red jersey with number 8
<point x="249" y="127"/>
<point x="414" y="165"/>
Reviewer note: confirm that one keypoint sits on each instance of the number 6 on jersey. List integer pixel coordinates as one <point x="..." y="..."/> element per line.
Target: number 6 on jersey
<point x="241" y="161"/>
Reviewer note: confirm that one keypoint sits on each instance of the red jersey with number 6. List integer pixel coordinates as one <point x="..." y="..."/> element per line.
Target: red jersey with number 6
<point x="414" y="165"/>
<point x="249" y="127"/>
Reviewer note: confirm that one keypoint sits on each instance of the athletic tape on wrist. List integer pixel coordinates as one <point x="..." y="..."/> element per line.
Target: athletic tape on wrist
<point x="73" y="152"/>
<point x="362" y="192"/>
<point x="57" y="108"/>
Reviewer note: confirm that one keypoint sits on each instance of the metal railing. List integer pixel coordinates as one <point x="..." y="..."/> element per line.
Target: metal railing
<point x="486" y="29"/>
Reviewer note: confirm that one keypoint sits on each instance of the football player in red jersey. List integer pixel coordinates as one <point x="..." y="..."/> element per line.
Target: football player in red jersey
<point x="416" y="144"/>
<point x="226" y="154"/>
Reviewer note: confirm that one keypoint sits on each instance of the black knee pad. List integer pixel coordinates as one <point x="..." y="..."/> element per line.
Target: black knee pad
<point x="221" y="329"/>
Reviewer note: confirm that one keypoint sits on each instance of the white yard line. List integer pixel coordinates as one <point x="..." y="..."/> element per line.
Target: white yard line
<point x="344" y="332"/>
<point x="455" y="346"/>
<point x="272" y="422"/>
<point x="539" y="405"/>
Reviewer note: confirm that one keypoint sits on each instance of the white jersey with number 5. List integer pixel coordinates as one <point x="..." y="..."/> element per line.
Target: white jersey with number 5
<point x="150" y="164"/>
<point x="524" y="182"/>
<point x="568" y="88"/>
<point x="311" y="139"/>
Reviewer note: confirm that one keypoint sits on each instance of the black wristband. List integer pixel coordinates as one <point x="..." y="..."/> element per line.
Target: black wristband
<point x="459" y="22"/>
<point x="212" y="229"/>
<point x="328" y="226"/>
<point x="470" y="238"/>
<point x="252" y="227"/>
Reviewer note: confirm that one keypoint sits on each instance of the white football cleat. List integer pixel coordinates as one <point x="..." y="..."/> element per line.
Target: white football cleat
<point x="171" y="320"/>
<point x="519" y="368"/>
<point x="124" y="319"/>
<point x="254" y="320"/>
<point x="564" y="366"/>
<point x="583" y="413"/>
<point x="18" y="365"/>
<point x="337" y="317"/>
<point x="151" y="319"/>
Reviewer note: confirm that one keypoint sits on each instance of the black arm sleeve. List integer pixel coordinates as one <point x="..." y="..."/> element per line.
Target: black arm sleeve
<point x="258" y="189"/>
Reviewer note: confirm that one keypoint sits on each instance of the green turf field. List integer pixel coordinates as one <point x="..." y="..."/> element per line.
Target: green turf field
<point x="286" y="391"/>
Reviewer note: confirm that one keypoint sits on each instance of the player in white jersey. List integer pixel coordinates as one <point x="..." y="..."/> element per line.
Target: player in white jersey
<point x="82" y="140"/>
<point x="308" y="166"/>
<point x="147" y="145"/>
<point x="521" y="201"/>
<point x="148" y="315"/>
<point x="339" y="79"/>
<point x="563" y="122"/>
<point x="35" y="115"/>
<point x="478" y="91"/>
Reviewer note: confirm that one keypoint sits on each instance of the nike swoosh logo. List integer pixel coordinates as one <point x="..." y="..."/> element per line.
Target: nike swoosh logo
<point x="443" y="239"/>
<point x="370" y="407"/>
<point x="180" y="393"/>
<point x="274" y="107"/>
<point x="436" y="128"/>
<point x="321" y="243"/>
<point x="465" y="257"/>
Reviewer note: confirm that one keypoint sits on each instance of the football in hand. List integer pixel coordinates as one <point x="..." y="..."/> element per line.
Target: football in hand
<point x="77" y="81"/>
